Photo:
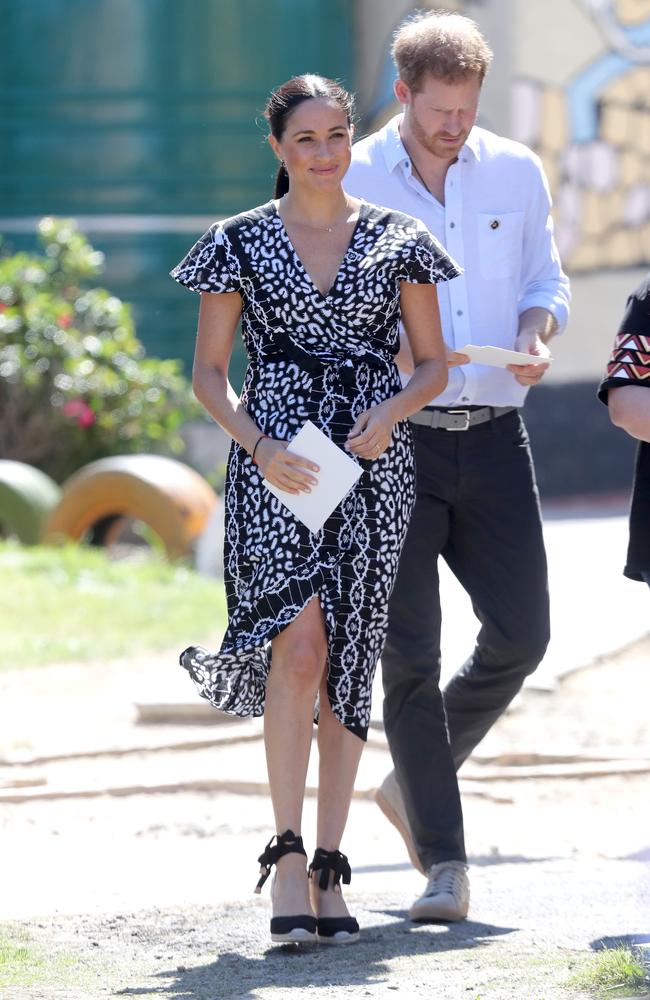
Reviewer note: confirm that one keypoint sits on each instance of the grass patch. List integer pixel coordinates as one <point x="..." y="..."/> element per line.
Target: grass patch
<point x="22" y="963"/>
<point x="16" y="957"/>
<point x="614" y="972"/>
<point x="74" y="603"/>
<point x="27" y="962"/>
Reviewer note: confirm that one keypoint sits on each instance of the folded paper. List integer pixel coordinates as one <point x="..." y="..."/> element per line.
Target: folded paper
<point x="338" y="474"/>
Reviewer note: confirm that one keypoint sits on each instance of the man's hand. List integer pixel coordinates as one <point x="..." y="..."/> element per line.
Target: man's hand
<point x="530" y="343"/>
<point x="536" y="327"/>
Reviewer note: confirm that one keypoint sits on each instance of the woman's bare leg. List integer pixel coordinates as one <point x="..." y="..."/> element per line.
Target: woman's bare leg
<point x="298" y="662"/>
<point x="339" y="753"/>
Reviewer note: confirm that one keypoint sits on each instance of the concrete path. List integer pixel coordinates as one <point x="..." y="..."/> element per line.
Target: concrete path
<point x="594" y="608"/>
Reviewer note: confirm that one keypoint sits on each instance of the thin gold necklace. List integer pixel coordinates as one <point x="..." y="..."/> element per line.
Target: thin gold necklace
<point x="319" y="229"/>
<point x="322" y="229"/>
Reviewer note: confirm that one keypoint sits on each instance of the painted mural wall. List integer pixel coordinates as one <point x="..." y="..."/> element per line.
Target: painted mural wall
<point x="580" y="96"/>
<point x="588" y="116"/>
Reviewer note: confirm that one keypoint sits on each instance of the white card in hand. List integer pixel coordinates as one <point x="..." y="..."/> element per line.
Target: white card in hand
<point x="499" y="357"/>
<point x="338" y="474"/>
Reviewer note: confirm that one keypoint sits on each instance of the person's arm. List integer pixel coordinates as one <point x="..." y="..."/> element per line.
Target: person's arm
<point x="373" y="429"/>
<point x="406" y="364"/>
<point x="218" y="318"/>
<point x="629" y="409"/>
<point x="545" y="296"/>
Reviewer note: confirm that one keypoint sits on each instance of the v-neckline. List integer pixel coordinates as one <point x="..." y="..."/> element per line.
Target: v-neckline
<point x="298" y="259"/>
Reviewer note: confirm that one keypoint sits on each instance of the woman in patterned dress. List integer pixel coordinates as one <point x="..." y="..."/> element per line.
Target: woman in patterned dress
<point x="319" y="281"/>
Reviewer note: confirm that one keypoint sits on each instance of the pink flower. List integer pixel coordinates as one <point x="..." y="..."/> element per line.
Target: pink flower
<point x="65" y="321"/>
<point x="80" y="411"/>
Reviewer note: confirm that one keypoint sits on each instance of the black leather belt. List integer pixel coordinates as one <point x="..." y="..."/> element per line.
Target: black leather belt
<point x="458" y="420"/>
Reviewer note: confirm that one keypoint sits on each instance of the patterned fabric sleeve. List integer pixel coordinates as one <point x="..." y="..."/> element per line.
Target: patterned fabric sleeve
<point x="427" y="262"/>
<point x="211" y="265"/>
<point x="629" y="362"/>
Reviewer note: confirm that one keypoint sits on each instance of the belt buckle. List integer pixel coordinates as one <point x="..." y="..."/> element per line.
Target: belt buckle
<point x="464" y="413"/>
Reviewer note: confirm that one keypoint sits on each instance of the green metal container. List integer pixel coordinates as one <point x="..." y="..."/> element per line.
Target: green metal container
<point x="143" y="120"/>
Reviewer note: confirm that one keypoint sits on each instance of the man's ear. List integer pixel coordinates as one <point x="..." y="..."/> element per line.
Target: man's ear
<point x="402" y="92"/>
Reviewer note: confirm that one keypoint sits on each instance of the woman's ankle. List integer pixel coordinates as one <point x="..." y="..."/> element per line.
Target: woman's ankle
<point x="291" y="865"/>
<point x="327" y="902"/>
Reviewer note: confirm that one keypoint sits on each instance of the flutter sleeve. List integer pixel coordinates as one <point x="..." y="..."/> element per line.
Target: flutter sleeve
<point x="426" y="262"/>
<point x="211" y="265"/>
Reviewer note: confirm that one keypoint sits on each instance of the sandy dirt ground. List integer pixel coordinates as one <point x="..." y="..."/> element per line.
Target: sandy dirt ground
<point x="149" y="894"/>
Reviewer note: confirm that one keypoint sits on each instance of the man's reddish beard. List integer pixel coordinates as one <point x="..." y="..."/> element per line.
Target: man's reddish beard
<point x="430" y="142"/>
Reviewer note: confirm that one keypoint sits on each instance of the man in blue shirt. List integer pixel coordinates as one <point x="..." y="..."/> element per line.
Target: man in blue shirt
<point x="487" y="200"/>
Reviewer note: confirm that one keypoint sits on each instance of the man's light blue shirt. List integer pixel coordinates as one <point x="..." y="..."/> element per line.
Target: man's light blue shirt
<point x="496" y="224"/>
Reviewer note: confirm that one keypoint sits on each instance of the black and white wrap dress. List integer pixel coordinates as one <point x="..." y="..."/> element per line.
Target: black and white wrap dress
<point x="324" y="358"/>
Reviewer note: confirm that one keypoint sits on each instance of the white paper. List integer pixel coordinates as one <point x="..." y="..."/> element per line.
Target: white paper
<point x="338" y="474"/>
<point x="499" y="357"/>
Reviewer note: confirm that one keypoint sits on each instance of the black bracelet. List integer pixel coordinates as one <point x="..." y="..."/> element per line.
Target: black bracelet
<point x="256" y="444"/>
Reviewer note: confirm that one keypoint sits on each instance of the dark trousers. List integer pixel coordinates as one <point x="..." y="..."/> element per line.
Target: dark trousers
<point x="477" y="506"/>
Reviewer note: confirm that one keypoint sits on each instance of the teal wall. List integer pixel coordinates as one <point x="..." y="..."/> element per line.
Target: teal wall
<point x="143" y="118"/>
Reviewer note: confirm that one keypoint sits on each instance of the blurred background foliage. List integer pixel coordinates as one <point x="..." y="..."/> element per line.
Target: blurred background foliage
<point x="75" y="382"/>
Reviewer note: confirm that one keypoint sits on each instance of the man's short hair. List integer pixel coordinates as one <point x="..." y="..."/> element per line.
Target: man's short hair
<point x="445" y="45"/>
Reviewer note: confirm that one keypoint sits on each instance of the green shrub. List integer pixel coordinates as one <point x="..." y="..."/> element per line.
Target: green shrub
<point x="75" y="384"/>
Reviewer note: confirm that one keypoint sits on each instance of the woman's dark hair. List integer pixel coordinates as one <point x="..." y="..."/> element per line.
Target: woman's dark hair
<point x="285" y="99"/>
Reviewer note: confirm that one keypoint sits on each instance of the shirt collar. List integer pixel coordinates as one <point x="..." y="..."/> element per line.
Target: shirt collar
<point x="473" y="143"/>
<point x="395" y="151"/>
<point x="393" y="148"/>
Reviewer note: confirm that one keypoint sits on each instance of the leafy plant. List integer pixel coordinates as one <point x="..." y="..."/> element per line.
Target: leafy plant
<point x="612" y="972"/>
<point x="75" y="384"/>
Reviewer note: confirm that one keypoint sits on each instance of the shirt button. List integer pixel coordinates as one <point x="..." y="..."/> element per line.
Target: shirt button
<point x="464" y="399"/>
<point x="459" y="312"/>
<point x="452" y="225"/>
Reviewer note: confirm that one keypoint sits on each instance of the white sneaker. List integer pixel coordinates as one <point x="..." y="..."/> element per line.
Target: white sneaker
<point x="446" y="896"/>
<point x="389" y="799"/>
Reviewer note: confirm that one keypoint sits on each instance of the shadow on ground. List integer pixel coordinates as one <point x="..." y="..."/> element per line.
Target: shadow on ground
<point x="475" y="860"/>
<point x="620" y="941"/>
<point x="365" y="963"/>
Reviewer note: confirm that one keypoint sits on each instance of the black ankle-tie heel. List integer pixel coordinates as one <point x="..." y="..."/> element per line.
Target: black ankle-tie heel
<point x="300" y="929"/>
<point x="333" y="930"/>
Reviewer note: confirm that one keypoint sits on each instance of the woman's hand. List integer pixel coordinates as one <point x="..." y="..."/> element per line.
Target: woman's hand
<point x="372" y="432"/>
<point x="283" y="469"/>
<point x="455" y="358"/>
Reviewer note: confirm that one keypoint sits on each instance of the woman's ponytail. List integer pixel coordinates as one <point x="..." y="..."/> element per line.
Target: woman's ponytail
<point x="281" y="182"/>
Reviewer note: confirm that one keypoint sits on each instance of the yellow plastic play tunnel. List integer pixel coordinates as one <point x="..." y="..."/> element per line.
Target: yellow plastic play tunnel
<point x="168" y="496"/>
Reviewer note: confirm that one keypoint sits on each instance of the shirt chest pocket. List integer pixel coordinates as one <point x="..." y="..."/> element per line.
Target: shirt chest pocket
<point x="500" y="237"/>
